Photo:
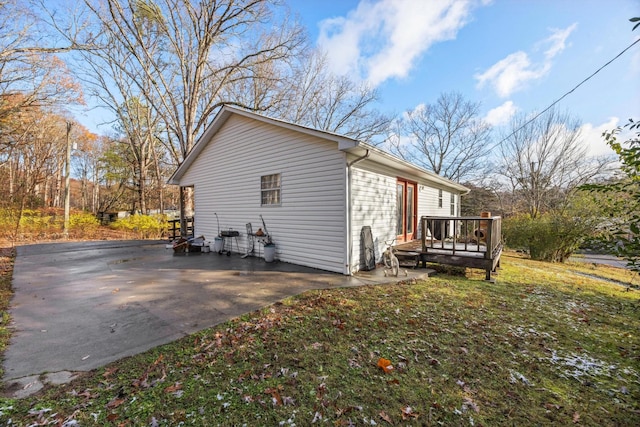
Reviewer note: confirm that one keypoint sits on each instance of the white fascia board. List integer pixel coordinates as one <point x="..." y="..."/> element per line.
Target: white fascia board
<point x="384" y="158"/>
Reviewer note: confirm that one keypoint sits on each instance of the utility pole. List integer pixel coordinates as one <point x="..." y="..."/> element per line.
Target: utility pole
<point x="67" y="184"/>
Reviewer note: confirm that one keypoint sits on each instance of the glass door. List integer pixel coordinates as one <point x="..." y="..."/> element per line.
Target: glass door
<point x="406" y="210"/>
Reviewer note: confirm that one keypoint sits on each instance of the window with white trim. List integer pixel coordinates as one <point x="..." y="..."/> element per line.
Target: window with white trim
<point x="453" y="204"/>
<point x="439" y="198"/>
<point x="270" y="186"/>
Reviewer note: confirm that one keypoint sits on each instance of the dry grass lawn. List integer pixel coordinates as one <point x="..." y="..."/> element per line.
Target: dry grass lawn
<point x="546" y="344"/>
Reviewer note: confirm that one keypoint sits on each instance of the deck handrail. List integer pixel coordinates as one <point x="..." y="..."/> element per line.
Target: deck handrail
<point x="471" y="241"/>
<point x="174" y="231"/>
<point x="476" y="233"/>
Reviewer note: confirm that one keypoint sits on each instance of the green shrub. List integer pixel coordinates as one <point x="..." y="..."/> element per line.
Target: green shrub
<point x="83" y="220"/>
<point x="8" y="218"/>
<point x="28" y="223"/>
<point x="83" y="224"/>
<point x="36" y="222"/>
<point x="144" y="226"/>
<point x="552" y="236"/>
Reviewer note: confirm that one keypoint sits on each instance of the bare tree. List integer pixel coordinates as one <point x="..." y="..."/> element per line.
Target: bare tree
<point x="124" y="88"/>
<point x="446" y="137"/>
<point x="545" y="160"/>
<point x="200" y="49"/>
<point x="332" y="103"/>
<point x="36" y="142"/>
<point x="115" y="178"/>
<point x="139" y="126"/>
<point x="30" y="75"/>
<point x="317" y="98"/>
<point x="85" y="165"/>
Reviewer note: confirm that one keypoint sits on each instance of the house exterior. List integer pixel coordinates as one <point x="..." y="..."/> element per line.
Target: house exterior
<point x="315" y="190"/>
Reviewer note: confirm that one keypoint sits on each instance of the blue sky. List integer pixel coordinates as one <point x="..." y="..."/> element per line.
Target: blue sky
<point x="509" y="55"/>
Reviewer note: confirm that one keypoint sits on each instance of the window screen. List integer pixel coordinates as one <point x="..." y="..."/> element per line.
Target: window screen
<point x="270" y="189"/>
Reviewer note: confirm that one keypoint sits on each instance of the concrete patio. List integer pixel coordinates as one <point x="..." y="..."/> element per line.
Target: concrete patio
<point x="79" y="306"/>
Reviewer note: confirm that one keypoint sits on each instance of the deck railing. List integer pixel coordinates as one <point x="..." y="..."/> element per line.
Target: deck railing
<point x="174" y="228"/>
<point x="473" y="236"/>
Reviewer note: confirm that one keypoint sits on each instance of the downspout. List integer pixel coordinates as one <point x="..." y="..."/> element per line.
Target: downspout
<point x="349" y="210"/>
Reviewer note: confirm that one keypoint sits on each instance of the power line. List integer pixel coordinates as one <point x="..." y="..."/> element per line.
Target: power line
<point x="565" y="95"/>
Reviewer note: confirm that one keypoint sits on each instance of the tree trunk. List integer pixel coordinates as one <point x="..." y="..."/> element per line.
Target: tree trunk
<point x="186" y="208"/>
<point x="142" y="200"/>
<point x="160" y="182"/>
<point x="10" y="181"/>
<point x="59" y="185"/>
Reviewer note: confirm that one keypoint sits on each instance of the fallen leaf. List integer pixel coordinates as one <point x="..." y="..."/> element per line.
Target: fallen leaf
<point x="353" y="363"/>
<point x="338" y="324"/>
<point x="407" y="413"/>
<point x="385" y="365"/>
<point x="109" y="371"/>
<point x="88" y="395"/>
<point x="275" y="395"/>
<point x="467" y="401"/>
<point x="385" y="417"/>
<point x="114" y="403"/>
<point x="321" y="390"/>
<point x="173" y="388"/>
<point x="112" y="417"/>
<point x="576" y="417"/>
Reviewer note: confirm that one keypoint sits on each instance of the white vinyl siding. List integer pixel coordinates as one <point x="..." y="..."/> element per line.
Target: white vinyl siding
<point x="428" y="201"/>
<point x="373" y="192"/>
<point x="373" y="198"/>
<point x="308" y="226"/>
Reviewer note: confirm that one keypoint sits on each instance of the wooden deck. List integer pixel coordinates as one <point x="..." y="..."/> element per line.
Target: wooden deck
<point x="474" y="242"/>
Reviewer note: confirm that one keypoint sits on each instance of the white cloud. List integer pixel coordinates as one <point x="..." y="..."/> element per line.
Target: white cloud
<point x="516" y="70"/>
<point x="592" y="136"/>
<point x="417" y="110"/>
<point x="509" y="74"/>
<point x="501" y="115"/>
<point x="382" y="39"/>
<point x="558" y="40"/>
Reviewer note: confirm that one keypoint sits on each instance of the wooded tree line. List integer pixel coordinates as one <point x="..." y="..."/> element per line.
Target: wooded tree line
<point x="163" y="68"/>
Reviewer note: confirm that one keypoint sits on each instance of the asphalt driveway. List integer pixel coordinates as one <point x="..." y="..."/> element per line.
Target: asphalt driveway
<point x="79" y="306"/>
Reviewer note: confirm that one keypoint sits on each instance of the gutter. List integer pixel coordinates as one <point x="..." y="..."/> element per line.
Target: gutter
<point x="350" y="208"/>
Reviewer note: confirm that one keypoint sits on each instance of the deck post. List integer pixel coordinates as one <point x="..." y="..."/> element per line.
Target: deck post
<point x="454" y="232"/>
<point x="423" y="237"/>
<point x="489" y="253"/>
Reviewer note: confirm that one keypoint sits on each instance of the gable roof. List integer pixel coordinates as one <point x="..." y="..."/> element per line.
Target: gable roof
<point x="350" y="145"/>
